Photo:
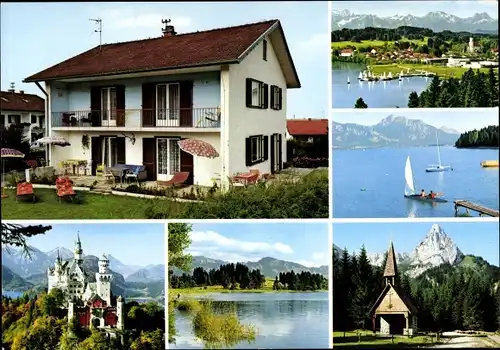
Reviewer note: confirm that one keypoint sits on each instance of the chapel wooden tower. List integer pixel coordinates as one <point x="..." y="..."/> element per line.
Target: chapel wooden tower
<point x="393" y="308"/>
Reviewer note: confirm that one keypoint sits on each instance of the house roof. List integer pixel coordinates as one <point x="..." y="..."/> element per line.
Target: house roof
<point x="346" y="51"/>
<point x="17" y="101"/>
<point x="210" y="47"/>
<point x="307" y="127"/>
<point x="400" y="292"/>
<point x="391" y="267"/>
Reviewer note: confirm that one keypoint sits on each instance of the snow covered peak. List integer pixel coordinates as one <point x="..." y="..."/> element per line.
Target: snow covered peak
<point x="436" y="249"/>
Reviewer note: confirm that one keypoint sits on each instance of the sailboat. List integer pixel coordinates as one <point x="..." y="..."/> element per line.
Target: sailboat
<point x="348" y="80"/>
<point x="410" y="187"/>
<point x="435" y="168"/>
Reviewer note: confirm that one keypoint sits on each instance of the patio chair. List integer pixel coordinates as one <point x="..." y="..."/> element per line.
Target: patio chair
<point x="25" y="190"/>
<point x="256" y="178"/>
<point x="178" y="179"/>
<point x="136" y="173"/>
<point x="65" y="190"/>
<point x="108" y="175"/>
<point x="99" y="170"/>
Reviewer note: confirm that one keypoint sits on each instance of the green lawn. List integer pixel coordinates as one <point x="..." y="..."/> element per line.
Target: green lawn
<point x="395" y="68"/>
<point x="267" y="288"/>
<point x="371" y="43"/>
<point x="91" y="206"/>
<point x="369" y="341"/>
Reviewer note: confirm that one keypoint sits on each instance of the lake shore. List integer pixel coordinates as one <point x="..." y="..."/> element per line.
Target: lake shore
<point x="220" y="289"/>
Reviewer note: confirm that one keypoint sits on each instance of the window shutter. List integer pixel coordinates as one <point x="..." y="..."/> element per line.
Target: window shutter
<point x="248" y="151"/>
<point x="266" y="148"/>
<point x="266" y="96"/>
<point x="273" y="102"/>
<point x="248" y="92"/>
<point x="280" y="98"/>
<point x="280" y="154"/>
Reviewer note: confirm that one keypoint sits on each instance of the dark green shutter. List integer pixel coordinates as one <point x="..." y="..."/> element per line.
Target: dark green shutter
<point x="248" y="151"/>
<point x="120" y="150"/>
<point x="266" y="96"/>
<point x="273" y="102"/>
<point x="248" y="92"/>
<point x="266" y="148"/>
<point x="280" y="98"/>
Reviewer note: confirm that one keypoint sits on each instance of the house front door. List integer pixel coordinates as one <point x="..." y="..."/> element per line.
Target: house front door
<point x="167" y="158"/>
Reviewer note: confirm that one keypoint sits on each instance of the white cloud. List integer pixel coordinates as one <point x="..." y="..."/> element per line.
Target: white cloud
<point x="318" y="259"/>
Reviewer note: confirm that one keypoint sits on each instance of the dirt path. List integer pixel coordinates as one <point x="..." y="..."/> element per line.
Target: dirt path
<point x="457" y="340"/>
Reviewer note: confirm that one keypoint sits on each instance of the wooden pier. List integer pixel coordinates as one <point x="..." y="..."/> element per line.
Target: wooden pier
<point x="483" y="211"/>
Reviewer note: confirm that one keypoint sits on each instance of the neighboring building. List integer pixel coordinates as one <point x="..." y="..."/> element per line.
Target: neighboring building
<point x="88" y="296"/>
<point x="393" y="311"/>
<point x="21" y="108"/>
<point x="134" y="100"/>
<point x="473" y="46"/>
<point x="346" y="53"/>
<point x="457" y="62"/>
<point x="494" y="51"/>
<point x="308" y="130"/>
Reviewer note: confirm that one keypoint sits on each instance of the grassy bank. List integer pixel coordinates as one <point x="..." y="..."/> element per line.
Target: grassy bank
<point x="221" y="329"/>
<point x="368" y="340"/>
<point x="396" y="68"/>
<point x="267" y="288"/>
<point x="371" y="44"/>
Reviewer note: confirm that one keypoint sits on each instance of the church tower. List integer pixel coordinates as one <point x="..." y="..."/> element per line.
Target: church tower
<point x="103" y="280"/>
<point x="391" y="267"/>
<point x="78" y="252"/>
<point x="120" y="309"/>
<point x="471" y="44"/>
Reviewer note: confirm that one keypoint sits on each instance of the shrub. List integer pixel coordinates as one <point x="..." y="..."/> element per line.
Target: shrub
<point x="307" y="162"/>
<point x="13" y="178"/>
<point x="44" y="179"/>
<point x="306" y="197"/>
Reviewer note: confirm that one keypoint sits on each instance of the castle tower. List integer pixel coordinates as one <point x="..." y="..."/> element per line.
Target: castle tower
<point x="391" y="267"/>
<point x="71" y="310"/>
<point x="103" y="280"/>
<point x="78" y="252"/>
<point x="120" y="309"/>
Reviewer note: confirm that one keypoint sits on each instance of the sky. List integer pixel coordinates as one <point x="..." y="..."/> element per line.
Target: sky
<point x="460" y="119"/>
<point x="67" y="31"/>
<point x="306" y="244"/>
<point x="458" y="8"/>
<point x="131" y="243"/>
<point x="476" y="238"/>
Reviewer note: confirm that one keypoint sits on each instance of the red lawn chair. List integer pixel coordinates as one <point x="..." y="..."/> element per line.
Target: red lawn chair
<point x="178" y="179"/>
<point x="64" y="188"/>
<point x="25" y="190"/>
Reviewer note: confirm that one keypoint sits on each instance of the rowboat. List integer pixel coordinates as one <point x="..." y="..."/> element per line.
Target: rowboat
<point x="410" y="192"/>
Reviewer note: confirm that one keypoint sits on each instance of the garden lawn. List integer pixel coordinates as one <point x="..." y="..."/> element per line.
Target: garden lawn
<point x="372" y="43"/>
<point x="369" y="341"/>
<point x="92" y="206"/>
<point x="441" y="71"/>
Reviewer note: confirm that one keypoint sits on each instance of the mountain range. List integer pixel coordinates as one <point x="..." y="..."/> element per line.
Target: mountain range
<point x="393" y="131"/>
<point x="438" y="21"/>
<point x="269" y="267"/>
<point x="436" y="249"/>
<point x="21" y="273"/>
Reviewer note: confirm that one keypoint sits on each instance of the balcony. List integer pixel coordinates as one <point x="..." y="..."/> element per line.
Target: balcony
<point x="203" y="118"/>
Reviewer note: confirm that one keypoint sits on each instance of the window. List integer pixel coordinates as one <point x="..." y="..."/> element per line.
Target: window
<point x="2" y="120"/>
<point x="41" y="121"/>
<point x="167" y="104"/>
<point x="276" y="97"/>
<point x="14" y="119"/>
<point x="256" y="149"/>
<point x="264" y="50"/>
<point x="256" y="94"/>
<point x="108" y="103"/>
<point x="33" y="119"/>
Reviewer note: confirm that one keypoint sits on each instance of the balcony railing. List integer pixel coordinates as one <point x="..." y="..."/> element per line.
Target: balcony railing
<point x="140" y="118"/>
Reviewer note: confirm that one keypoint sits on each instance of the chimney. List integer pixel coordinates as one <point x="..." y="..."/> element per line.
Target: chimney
<point x="168" y="30"/>
<point x="12" y="87"/>
<point x="21" y="92"/>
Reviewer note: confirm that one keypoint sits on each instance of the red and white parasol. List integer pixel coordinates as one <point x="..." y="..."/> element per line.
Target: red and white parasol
<point x="53" y="140"/>
<point x="198" y="148"/>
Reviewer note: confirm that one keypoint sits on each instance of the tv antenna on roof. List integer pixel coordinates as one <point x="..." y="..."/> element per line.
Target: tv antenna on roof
<point x="98" y="30"/>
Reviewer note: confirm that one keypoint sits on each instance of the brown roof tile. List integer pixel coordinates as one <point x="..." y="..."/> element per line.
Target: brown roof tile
<point x="16" y="101"/>
<point x="391" y="267"/>
<point x="166" y="52"/>
<point x="307" y="127"/>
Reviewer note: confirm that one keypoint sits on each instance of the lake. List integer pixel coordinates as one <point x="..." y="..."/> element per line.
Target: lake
<point x="11" y="294"/>
<point x="380" y="171"/>
<point x="282" y="320"/>
<point x="389" y="94"/>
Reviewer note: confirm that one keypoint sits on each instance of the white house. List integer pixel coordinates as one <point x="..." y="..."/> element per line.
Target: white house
<point x="346" y="53"/>
<point x="20" y="108"/>
<point x="134" y="100"/>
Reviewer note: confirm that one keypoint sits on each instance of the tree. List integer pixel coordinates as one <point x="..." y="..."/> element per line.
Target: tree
<point x="15" y="235"/>
<point x="360" y="103"/>
<point x="14" y="137"/>
<point x="178" y="241"/>
<point x="413" y="100"/>
<point x="96" y="341"/>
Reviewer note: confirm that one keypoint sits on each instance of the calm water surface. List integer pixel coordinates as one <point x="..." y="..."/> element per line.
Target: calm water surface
<point x="282" y="320"/>
<point x="380" y="171"/>
<point x="389" y="94"/>
<point x="11" y="294"/>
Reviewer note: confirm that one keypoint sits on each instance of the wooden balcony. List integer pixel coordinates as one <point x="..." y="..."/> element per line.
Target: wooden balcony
<point x="139" y="118"/>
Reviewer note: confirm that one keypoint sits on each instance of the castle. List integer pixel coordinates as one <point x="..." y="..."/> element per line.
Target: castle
<point x="88" y="296"/>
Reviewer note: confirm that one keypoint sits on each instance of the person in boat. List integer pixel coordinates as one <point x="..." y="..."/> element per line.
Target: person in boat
<point x="422" y="193"/>
<point x="432" y="195"/>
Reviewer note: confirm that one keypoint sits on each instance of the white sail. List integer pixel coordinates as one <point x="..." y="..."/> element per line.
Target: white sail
<point x="410" y="185"/>
<point x="439" y="154"/>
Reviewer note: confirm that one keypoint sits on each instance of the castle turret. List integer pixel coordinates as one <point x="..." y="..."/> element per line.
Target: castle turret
<point x="120" y="309"/>
<point x="78" y="252"/>
<point x="103" y="280"/>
